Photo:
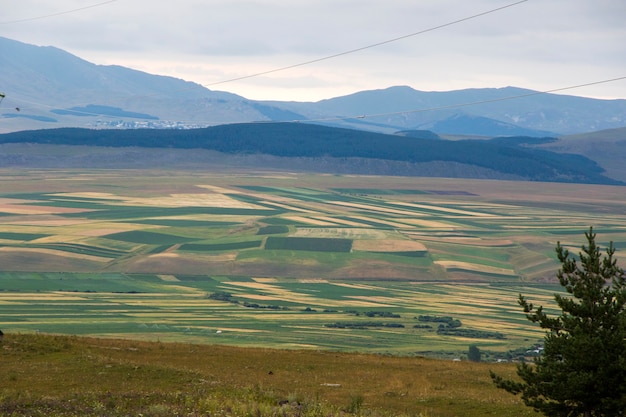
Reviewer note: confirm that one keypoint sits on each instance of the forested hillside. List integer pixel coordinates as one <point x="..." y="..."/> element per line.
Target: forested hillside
<point x="503" y="155"/>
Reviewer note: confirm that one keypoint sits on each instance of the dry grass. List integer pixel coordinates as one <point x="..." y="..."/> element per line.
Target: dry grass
<point x="49" y="374"/>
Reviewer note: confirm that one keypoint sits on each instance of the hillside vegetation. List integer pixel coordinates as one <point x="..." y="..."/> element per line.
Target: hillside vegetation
<point x="47" y="375"/>
<point x="298" y="140"/>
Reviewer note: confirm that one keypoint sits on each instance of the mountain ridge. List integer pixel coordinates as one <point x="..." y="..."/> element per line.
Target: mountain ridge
<point x="40" y="79"/>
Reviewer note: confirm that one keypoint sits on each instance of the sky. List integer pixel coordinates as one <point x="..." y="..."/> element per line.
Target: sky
<point x="434" y="45"/>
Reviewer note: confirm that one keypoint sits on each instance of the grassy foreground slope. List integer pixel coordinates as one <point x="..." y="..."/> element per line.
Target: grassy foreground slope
<point x="69" y="376"/>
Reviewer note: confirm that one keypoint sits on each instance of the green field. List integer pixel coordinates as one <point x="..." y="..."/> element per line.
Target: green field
<point x="300" y="261"/>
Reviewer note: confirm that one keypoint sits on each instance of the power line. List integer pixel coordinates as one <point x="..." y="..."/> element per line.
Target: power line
<point x="374" y="45"/>
<point x="28" y="19"/>
<point x="307" y="62"/>
<point x="370" y="116"/>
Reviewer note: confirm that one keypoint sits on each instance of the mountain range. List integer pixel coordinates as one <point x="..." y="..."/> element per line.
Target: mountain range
<point x="53" y="88"/>
<point x="478" y="133"/>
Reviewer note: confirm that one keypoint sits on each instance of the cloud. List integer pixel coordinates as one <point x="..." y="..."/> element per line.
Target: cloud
<point x="536" y="44"/>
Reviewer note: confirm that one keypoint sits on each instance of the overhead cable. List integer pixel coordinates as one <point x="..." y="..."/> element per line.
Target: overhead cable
<point x="28" y="19"/>
<point x="374" y="45"/>
<point x="467" y="104"/>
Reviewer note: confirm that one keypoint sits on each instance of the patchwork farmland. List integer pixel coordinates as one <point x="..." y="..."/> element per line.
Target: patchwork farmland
<point x="289" y="260"/>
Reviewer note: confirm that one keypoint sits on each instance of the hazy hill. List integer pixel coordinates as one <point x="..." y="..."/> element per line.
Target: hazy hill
<point x="464" y="124"/>
<point x="510" y="158"/>
<point x="404" y="107"/>
<point x="53" y="88"/>
<point x="605" y="147"/>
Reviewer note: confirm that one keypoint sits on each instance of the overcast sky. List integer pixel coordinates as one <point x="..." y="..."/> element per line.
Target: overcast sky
<point x="536" y="44"/>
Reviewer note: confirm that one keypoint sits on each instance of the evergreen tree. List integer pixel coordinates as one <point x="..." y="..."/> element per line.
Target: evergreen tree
<point x="582" y="371"/>
<point x="474" y="354"/>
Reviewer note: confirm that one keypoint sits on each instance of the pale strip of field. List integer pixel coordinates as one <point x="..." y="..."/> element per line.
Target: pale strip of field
<point x="25" y="209"/>
<point x="338" y="232"/>
<point x="484" y="300"/>
<point x="356" y="286"/>
<point x="308" y="220"/>
<point x="341" y="221"/>
<point x="240" y="330"/>
<point x="566" y="225"/>
<point x="491" y="325"/>
<point x="473" y="306"/>
<point x="387" y="222"/>
<point x="274" y="316"/>
<point x="32" y="222"/>
<point x="15" y="228"/>
<point x="427" y="223"/>
<point x="172" y="200"/>
<point x="69" y="227"/>
<point x="218" y="257"/>
<point x="328" y="330"/>
<point x="279" y="293"/>
<point x="218" y="190"/>
<point x="443" y="209"/>
<point x="254" y="285"/>
<point x="56" y="253"/>
<point x="300" y="346"/>
<point x="92" y="195"/>
<point x="452" y="308"/>
<point x="475" y="267"/>
<point x="96" y="232"/>
<point x="260" y="297"/>
<point x="66" y="237"/>
<point x="388" y="246"/>
<point x="288" y="207"/>
<point x="273" y="291"/>
<point x="198" y="200"/>
<point x="313" y="281"/>
<point x="185" y="289"/>
<point x="203" y="319"/>
<point x="31" y="296"/>
<point x="465" y="240"/>
<point x="374" y="208"/>
<point x="545" y="295"/>
<point x="132" y="296"/>
<point x="265" y="280"/>
<point x="312" y="328"/>
<point x="95" y="229"/>
<point x="185" y="306"/>
<point x="374" y="300"/>
<point x="168" y="278"/>
<point x="17" y="201"/>
<point x="229" y="218"/>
